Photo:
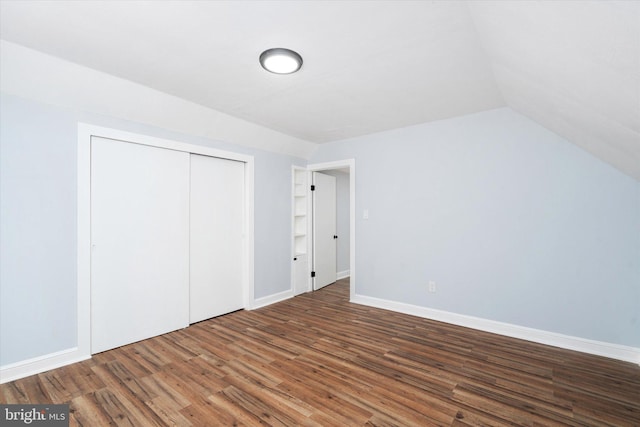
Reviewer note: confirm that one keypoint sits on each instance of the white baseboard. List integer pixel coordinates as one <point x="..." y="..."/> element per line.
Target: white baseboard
<point x="599" y="348"/>
<point x="50" y="361"/>
<point x="36" y="365"/>
<point x="271" y="299"/>
<point x="343" y="274"/>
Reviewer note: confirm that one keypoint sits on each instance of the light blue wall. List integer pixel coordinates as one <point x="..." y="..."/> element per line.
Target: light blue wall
<point x="37" y="231"/>
<point x="38" y="222"/>
<point x="514" y="223"/>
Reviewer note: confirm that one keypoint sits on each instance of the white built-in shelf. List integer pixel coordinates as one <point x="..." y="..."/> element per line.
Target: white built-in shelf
<point x="300" y="191"/>
<point x="300" y="211"/>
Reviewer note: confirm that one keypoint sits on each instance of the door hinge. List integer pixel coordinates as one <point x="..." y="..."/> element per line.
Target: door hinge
<point x="313" y="274"/>
<point x="313" y="188"/>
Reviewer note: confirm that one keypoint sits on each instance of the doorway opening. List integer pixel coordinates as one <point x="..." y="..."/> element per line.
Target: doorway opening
<point x="344" y="173"/>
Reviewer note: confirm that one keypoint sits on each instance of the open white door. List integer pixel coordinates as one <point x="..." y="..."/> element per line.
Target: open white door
<point x="217" y="215"/>
<point x="324" y="230"/>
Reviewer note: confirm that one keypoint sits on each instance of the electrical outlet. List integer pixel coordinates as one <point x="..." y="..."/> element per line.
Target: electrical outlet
<point x="432" y="286"/>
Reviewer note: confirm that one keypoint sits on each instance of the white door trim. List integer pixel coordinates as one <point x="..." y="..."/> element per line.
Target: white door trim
<point x="85" y="132"/>
<point x="351" y="165"/>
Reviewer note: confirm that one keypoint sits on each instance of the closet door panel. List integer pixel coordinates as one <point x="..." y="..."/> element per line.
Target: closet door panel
<point x="216" y="244"/>
<point x="140" y="242"/>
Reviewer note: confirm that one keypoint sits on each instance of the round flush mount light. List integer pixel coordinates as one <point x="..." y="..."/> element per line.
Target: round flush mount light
<point x="280" y="60"/>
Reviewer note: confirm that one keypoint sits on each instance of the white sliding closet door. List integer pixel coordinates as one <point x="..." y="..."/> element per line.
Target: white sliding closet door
<point x="217" y="212"/>
<point x="140" y="242"/>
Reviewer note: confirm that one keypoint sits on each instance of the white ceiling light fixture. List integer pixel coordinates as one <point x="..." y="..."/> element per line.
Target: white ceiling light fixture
<point x="280" y="60"/>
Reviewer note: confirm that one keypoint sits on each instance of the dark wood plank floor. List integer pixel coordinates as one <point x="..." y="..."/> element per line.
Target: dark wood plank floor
<point x="318" y="360"/>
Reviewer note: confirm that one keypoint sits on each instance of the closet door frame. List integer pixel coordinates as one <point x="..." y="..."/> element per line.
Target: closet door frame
<point x="85" y="133"/>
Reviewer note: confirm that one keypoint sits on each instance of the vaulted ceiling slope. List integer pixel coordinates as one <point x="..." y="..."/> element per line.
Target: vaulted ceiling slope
<point x="572" y="66"/>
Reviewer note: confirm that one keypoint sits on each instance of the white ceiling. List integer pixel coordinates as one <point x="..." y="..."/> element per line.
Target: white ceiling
<point x="573" y="67"/>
